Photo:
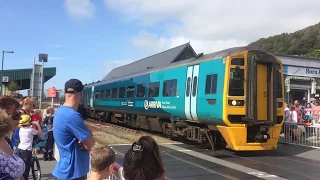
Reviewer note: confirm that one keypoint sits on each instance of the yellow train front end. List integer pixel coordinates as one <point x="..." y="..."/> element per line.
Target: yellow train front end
<point x="253" y="101"/>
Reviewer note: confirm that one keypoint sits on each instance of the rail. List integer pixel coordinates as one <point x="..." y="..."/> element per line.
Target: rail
<point x="303" y="134"/>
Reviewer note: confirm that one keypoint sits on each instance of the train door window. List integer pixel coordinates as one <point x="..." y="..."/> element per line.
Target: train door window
<point x="188" y="86"/>
<point x="154" y="89"/>
<point x="195" y="85"/>
<point x="130" y="91"/>
<point x="102" y="94"/>
<point x="211" y="84"/>
<point x="108" y="93"/>
<point x="169" y="88"/>
<point x="97" y="95"/>
<point x="141" y="90"/>
<point x="114" y="92"/>
<point x="122" y="91"/>
<point x="278" y="81"/>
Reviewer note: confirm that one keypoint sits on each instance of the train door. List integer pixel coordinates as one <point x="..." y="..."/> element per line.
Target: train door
<point x="92" y="96"/>
<point x="262" y="92"/>
<point x="262" y="88"/>
<point x="191" y="93"/>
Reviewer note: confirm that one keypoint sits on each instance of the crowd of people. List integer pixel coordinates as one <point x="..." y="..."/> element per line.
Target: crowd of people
<point x="298" y="113"/>
<point x="21" y="126"/>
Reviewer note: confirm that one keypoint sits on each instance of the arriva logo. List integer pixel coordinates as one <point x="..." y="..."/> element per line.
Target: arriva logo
<point x="152" y="104"/>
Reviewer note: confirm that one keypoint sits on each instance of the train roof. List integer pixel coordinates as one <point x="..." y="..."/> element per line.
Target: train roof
<point x="199" y="57"/>
<point x="178" y="53"/>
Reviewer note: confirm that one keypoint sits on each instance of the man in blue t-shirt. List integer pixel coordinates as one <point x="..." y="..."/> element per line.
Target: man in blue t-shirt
<point x="73" y="139"/>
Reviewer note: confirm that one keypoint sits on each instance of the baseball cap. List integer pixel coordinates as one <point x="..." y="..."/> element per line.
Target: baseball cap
<point x="74" y="84"/>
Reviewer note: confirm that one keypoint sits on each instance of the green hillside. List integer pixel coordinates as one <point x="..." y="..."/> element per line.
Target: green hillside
<point x="305" y="42"/>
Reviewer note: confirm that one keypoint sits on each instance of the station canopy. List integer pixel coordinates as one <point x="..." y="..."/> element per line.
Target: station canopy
<point x="23" y="76"/>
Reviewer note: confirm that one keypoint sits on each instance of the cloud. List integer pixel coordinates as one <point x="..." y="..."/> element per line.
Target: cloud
<point x="80" y="8"/>
<point x="213" y="25"/>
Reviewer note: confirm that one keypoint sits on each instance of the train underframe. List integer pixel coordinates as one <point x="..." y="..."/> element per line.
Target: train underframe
<point x="197" y="133"/>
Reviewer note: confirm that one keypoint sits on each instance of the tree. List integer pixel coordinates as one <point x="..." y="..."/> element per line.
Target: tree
<point x="13" y="86"/>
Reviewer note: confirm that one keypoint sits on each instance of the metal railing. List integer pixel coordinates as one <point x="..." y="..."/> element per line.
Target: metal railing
<point x="303" y="134"/>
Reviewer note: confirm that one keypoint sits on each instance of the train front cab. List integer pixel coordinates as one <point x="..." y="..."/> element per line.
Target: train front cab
<point x="253" y="103"/>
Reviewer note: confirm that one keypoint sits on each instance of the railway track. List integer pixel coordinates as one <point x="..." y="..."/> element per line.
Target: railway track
<point x="128" y="135"/>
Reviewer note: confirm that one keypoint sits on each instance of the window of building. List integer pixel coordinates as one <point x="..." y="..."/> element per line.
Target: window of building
<point x="130" y="91"/>
<point x="122" y="91"/>
<point x="108" y="93"/>
<point x="169" y="88"/>
<point x="211" y="84"/>
<point x="154" y="89"/>
<point x="141" y="90"/>
<point x="114" y="92"/>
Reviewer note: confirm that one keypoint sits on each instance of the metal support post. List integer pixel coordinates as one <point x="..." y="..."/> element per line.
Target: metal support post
<point x="2" y="72"/>
<point x="42" y="76"/>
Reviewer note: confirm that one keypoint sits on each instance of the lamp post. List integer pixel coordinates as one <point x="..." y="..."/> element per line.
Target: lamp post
<point x="2" y="68"/>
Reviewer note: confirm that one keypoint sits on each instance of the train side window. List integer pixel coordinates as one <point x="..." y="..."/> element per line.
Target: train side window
<point x="122" y="91"/>
<point x="237" y="61"/>
<point x="97" y="95"/>
<point x="130" y="91"/>
<point x="154" y="89"/>
<point x="195" y="86"/>
<point x="169" y="88"/>
<point x="211" y="84"/>
<point x="114" y="92"/>
<point x="141" y="90"/>
<point x="108" y="93"/>
<point x="102" y="94"/>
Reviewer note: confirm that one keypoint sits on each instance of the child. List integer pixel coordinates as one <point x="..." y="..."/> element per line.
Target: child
<point x="48" y="121"/>
<point x="102" y="159"/>
<point x="26" y="134"/>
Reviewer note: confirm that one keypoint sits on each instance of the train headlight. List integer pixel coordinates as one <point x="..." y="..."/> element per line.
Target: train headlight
<point x="236" y="102"/>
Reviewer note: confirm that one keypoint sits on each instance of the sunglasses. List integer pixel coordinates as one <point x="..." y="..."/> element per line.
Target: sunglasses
<point x="16" y="116"/>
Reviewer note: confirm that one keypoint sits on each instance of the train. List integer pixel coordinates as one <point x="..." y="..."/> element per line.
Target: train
<point x="227" y="99"/>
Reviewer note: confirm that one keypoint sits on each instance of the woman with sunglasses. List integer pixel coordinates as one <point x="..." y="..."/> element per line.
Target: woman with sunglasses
<point x="11" y="106"/>
<point x="11" y="165"/>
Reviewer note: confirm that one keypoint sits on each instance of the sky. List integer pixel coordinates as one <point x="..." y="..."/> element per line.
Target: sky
<point x="86" y="39"/>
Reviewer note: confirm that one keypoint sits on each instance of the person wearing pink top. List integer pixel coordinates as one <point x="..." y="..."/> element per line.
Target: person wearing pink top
<point x="315" y="111"/>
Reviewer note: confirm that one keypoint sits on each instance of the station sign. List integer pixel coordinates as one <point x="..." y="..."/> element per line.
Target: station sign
<point x="302" y="71"/>
<point x="5" y="79"/>
<point x="52" y="92"/>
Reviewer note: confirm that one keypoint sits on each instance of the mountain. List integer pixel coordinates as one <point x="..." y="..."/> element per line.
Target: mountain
<point x="305" y="42"/>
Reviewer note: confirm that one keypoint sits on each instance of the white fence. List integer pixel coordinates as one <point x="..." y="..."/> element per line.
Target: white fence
<point x="303" y="134"/>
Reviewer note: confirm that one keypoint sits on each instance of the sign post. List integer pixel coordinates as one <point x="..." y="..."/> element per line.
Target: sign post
<point x="52" y="92"/>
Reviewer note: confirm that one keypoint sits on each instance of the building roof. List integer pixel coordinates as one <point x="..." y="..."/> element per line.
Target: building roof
<point x="179" y="53"/>
<point x="299" y="61"/>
